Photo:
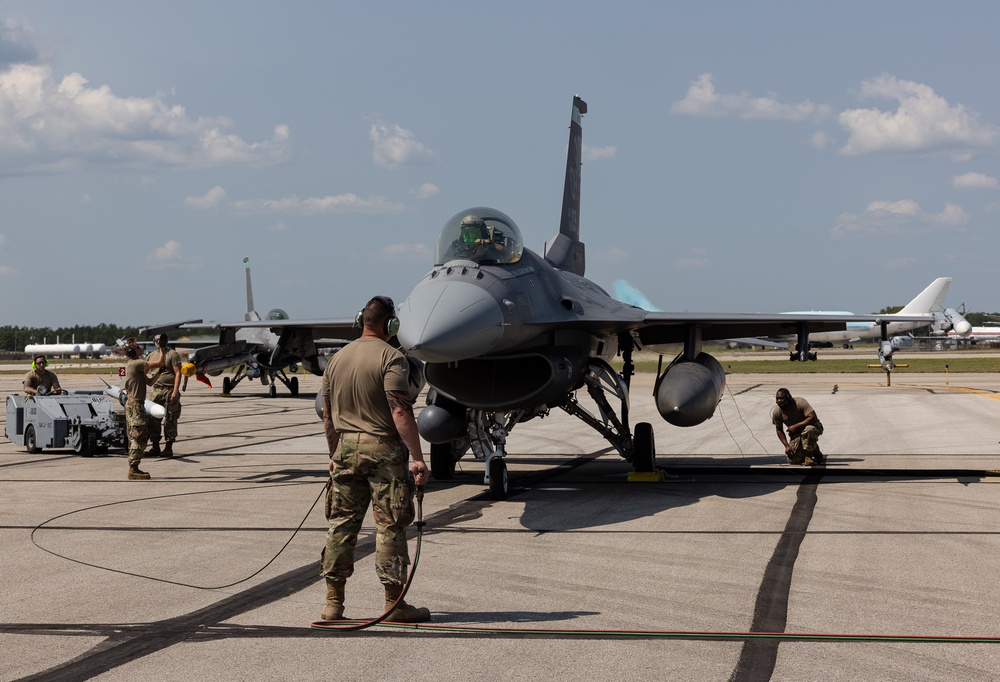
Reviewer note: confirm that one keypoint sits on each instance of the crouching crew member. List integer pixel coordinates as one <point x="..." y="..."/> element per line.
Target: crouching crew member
<point x="804" y="428"/>
<point x="371" y="434"/>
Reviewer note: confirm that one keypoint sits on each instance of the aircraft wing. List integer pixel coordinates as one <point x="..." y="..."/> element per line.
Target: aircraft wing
<point x="676" y="327"/>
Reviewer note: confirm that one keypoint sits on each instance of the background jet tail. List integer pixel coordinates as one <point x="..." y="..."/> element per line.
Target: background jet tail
<point x="930" y="300"/>
<point x="567" y="252"/>
<point x="251" y="314"/>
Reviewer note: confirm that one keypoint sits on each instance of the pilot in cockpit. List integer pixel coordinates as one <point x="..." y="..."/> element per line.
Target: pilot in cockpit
<point x="474" y="239"/>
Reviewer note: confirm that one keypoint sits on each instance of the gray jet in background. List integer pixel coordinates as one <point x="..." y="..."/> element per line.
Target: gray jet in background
<point x="506" y="335"/>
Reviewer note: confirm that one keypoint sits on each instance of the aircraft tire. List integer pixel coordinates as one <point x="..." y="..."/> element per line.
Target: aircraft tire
<point x="272" y="391"/>
<point x="293" y="386"/>
<point x="227" y="385"/>
<point x="498" y="479"/>
<point x="442" y="462"/>
<point x="30" y="441"/>
<point x="643" y="448"/>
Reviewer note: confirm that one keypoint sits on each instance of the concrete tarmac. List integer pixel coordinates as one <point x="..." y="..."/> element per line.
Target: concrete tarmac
<point x="879" y="566"/>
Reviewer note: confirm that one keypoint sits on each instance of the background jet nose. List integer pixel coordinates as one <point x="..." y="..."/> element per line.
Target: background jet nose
<point x="449" y="321"/>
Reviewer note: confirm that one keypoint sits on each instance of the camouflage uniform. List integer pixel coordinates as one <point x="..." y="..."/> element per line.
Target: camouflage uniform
<point x="162" y="388"/>
<point x="806" y="444"/>
<point x="135" y="415"/>
<point x="369" y="469"/>
<point x="138" y="430"/>
<point x="370" y="461"/>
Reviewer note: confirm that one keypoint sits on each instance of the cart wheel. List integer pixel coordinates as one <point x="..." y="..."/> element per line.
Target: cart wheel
<point x="30" y="442"/>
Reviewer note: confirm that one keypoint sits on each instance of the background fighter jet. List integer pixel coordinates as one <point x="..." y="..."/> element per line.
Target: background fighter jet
<point x="254" y="350"/>
<point x="507" y="335"/>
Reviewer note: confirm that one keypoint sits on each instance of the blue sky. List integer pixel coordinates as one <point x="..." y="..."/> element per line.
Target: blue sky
<point x="739" y="157"/>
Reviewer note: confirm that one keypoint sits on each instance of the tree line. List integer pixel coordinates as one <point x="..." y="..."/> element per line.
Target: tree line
<point x="14" y="339"/>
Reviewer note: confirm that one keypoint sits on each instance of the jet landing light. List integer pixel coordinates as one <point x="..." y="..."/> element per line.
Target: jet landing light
<point x="448" y="321"/>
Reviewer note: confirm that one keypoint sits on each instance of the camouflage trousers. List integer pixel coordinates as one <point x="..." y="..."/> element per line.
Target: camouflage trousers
<point x="161" y="396"/>
<point x="368" y="470"/>
<point x="138" y="433"/>
<point x="805" y="444"/>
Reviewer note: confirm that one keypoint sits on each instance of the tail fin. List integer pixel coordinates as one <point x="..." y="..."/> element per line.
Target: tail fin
<point x="251" y="314"/>
<point x="930" y="300"/>
<point x="567" y="252"/>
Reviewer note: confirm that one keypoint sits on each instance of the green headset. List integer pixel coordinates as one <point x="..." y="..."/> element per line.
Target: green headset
<point x="391" y="322"/>
<point x="45" y="363"/>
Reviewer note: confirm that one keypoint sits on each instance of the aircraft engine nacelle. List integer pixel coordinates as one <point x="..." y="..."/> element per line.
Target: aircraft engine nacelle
<point x="504" y="383"/>
<point x="688" y="392"/>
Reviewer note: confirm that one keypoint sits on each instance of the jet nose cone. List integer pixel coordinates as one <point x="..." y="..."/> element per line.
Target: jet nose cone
<point x="449" y="321"/>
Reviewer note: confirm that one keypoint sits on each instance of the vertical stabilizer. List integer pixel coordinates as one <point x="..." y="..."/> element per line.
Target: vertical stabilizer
<point x="930" y="300"/>
<point x="567" y="252"/>
<point x="251" y="314"/>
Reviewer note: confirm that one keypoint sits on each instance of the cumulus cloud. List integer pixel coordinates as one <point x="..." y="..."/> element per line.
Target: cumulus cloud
<point x="16" y="43"/>
<point x="171" y="256"/>
<point x="899" y="218"/>
<point x="923" y="121"/>
<point x="331" y="204"/>
<point x="975" y="181"/>
<point x="56" y="126"/>
<point x="405" y="252"/>
<point x="598" y="153"/>
<point x="395" y="147"/>
<point x="214" y="198"/>
<point x="425" y="191"/>
<point x="704" y="101"/>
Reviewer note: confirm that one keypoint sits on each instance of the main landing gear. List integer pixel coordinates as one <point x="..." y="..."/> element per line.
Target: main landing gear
<point x="487" y="431"/>
<point x="267" y="377"/>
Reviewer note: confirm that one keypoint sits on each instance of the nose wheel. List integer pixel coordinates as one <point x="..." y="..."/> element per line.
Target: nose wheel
<point x="496" y="478"/>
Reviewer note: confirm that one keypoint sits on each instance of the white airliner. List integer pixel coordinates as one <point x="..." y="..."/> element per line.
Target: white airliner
<point x="929" y="303"/>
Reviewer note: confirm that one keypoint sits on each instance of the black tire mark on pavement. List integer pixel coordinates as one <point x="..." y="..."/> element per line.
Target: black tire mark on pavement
<point x="770" y="613"/>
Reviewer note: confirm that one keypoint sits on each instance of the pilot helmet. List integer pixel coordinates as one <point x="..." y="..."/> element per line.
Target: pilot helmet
<point x="473" y="229"/>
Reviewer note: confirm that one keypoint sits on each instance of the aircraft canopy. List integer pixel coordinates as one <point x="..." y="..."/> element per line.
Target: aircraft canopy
<point x="483" y="235"/>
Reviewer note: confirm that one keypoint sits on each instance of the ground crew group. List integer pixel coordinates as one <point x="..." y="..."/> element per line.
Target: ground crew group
<point x="371" y="436"/>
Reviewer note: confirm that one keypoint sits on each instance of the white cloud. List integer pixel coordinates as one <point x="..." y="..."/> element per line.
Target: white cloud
<point x="278" y="227"/>
<point x="6" y="270"/>
<point x="923" y="121"/>
<point x="214" y="198"/>
<point x="598" y="153"/>
<point x="975" y="181"/>
<point x="899" y="218"/>
<point x="16" y="43"/>
<point x="703" y="101"/>
<point x="395" y="147"/>
<point x="820" y="140"/>
<point x="171" y="256"/>
<point x="49" y="126"/>
<point x="425" y="191"/>
<point x="405" y="252"/>
<point x="331" y="204"/>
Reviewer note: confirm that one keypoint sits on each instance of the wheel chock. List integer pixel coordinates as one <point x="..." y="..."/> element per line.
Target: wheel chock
<point x="645" y="476"/>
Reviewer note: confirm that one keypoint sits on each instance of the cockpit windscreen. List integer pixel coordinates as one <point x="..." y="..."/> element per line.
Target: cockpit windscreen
<point x="483" y="235"/>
